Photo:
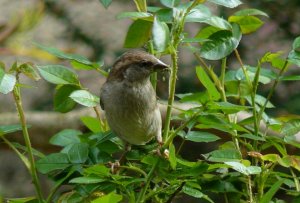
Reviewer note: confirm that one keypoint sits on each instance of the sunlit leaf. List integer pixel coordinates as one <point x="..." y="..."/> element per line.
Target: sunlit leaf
<point x="133" y="15"/>
<point x="58" y="74"/>
<point x="223" y="155"/>
<point x="91" y="123"/>
<point x="221" y="44"/>
<point x="85" y="98"/>
<point x="227" y="3"/>
<point x="87" y="180"/>
<point x="172" y="156"/>
<point x="207" y="83"/>
<point x="248" y="24"/>
<point x="7" y="82"/>
<point x="160" y="34"/>
<point x="250" y="12"/>
<point x="109" y="198"/>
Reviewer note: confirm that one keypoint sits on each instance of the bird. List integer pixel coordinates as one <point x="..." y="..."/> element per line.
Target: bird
<point x="129" y="100"/>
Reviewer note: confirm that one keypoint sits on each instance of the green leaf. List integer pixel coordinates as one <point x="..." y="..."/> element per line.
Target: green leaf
<point x="226" y="107"/>
<point x="160" y="34"/>
<point x="58" y="74"/>
<point x="291" y="127"/>
<point x="294" y="57"/>
<point x="204" y="33"/>
<point x="207" y="83"/>
<point x="5" y="129"/>
<point x="133" y="15"/>
<point x="172" y="156"/>
<point x="78" y="153"/>
<point x="63" y="55"/>
<point x="199" y="136"/>
<point x="87" y="180"/>
<point x="248" y="24"/>
<point x="109" y="198"/>
<point x="198" y="14"/>
<point x="62" y="102"/>
<point x="290" y="78"/>
<point x="221" y="44"/>
<point x="138" y="34"/>
<point x="192" y="192"/>
<point x="250" y="170"/>
<point x="52" y="162"/>
<point x="201" y="97"/>
<point x="223" y="155"/>
<point x="218" y="22"/>
<point x="85" y="98"/>
<point x="29" y="71"/>
<point x="105" y="3"/>
<point x="66" y="137"/>
<point x="22" y="200"/>
<point x="7" y="82"/>
<point x="98" y="170"/>
<point x="250" y="12"/>
<point x="165" y="15"/>
<point x="296" y="44"/>
<point x="81" y="66"/>
<point x="91" y="123"/>
<point x="170" y="3"/>
<point x="227" y="3"/>
<point x="267" y="197"/>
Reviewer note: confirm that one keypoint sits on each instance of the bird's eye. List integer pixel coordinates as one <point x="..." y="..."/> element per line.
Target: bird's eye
<point x="145" y="63"/>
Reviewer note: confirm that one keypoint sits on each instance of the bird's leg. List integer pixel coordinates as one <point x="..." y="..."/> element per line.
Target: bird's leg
<point x="114" y="166"/>
<point x="127" y="148"/>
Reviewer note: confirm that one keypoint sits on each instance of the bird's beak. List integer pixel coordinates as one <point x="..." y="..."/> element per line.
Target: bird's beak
<point x="159" y="65"/>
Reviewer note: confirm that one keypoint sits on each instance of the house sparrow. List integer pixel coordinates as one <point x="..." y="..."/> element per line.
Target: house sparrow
<point x="129" y="100"/>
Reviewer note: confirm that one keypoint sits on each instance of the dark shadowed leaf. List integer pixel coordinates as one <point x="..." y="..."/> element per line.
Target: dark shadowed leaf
<point x="62" y="102"/>
<point x="58" y="74"/>
<point x="78" y="153"/>
<point x="52" y="162"/>
<point x="267" y="197"/>
<point x="138" y="34"/>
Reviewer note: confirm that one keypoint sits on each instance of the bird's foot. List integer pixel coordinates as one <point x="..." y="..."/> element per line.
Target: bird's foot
<point x="114" y="167"/>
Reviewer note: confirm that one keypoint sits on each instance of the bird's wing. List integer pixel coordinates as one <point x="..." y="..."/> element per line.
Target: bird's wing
<point x="101" y="102"/>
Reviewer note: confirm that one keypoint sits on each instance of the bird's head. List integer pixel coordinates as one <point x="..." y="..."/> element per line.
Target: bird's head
<point x="135" y="66"/>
